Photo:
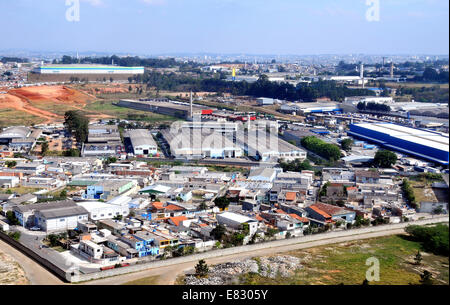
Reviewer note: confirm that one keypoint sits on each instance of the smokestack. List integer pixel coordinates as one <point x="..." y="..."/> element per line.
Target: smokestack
<point x="361" y="72"/>
<point x="392" y="70"/>
<point x="192" y="112"/>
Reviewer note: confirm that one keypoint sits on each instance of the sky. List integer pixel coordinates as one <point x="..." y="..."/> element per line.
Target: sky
<point x="280" y="27"/>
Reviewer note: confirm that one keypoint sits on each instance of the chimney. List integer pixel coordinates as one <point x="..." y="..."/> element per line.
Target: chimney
<point x="192" y="112"/>
<point x="361" y="72"/>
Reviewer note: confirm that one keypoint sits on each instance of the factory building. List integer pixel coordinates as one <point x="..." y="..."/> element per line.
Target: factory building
<point x="83" y="71"/>
<point x="428" y="145"/>
<point x="264" y="146"/>
<point x="191" y="144"/>
<point x="14" y="133"/>
<point x="55" y="216"/>
<point x="308" y="108"/>
<point x="103" y="140"/>
<point x="142" y="142"/>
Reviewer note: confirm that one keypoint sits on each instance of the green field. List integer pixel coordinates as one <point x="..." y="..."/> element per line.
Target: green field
<point x="10" y="117"/>
<point x="345" y="263"/>
<point x="107" y="107"/>
<point x="21" y="190"/>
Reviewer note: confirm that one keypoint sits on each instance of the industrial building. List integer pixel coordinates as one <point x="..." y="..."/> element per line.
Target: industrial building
<point x="308" y="108"/>
<point x="55" y="216"/>
<point x="108" y="189"/>
<point x="193" y="144"/>
<point x="174" y="109"/>
<point x="11" y="133"/>
<point x="428" y="145"/>
<point x="83" y="71"/>
<point x="263" y="146"/>
<point x="99" y="210"/>
<point x="103" y="140"/>
<point x="142" y="142"/>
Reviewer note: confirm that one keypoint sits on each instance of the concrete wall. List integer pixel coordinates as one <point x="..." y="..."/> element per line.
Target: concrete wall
<point x="39" y="259"/>
<point x="250" y="248"/>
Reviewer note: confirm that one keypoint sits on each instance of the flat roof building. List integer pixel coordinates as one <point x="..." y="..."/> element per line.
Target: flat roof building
<point x="428" y="145"/>
<point x="142" y="142"/>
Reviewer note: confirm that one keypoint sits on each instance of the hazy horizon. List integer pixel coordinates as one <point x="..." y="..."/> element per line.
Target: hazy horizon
<point x="228" y="27"/>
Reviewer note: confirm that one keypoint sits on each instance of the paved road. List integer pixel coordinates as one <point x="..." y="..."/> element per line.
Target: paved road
<point x="35" y="273"/>
<point x="167" y="275"/>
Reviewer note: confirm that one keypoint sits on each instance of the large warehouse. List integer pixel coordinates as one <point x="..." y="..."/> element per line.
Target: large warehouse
<point x="83" y="71"/>
<point x="142" y="142"/>
<point x="428" y="145"/>
<point x="88" y="69"/>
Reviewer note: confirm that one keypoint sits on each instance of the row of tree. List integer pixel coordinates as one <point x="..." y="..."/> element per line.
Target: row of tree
<point x="261" y="88"/>
<point x="328" y="151"/>
<point x="78" y="124"/>
<point x="120" y="61"/>
<point x="372" y="106"/>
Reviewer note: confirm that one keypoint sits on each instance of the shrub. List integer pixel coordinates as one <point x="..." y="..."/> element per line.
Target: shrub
<point x="434" y="239"/>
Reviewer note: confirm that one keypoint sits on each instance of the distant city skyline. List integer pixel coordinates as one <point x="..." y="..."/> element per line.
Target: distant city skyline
<point x="228" y="27"/>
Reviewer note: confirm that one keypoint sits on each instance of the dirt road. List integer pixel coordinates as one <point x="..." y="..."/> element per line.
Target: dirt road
<point x="168" y="275"/>
<point x="36" y="274"/>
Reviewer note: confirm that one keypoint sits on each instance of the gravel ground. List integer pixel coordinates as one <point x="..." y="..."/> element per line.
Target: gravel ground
<point x="10" y="271"/>
<point x="228" y="273"/>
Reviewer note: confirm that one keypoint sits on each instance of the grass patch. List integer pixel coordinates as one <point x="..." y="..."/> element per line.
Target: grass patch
<point x="11" y="117"/>
<point x="21" y="190"/>
<point x="345" y="263"/>
<point x="107" y="107"/>
<point x="146" y="281"/>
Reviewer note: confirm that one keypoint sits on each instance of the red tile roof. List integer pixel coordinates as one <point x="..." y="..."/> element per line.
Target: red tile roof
<point x="330" y="209"/>
<point x="280" y="211"/>
<point x="259" y="218"/>
<point x="316" y="209"/>
<point x="172" y="207"/>
<point x="302" y="219"/>
<point x="177" y="220"/>
<point x="291" y="196"/>
<point x="158" y="205"/>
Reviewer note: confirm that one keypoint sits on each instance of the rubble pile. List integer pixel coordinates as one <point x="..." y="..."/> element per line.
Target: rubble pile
<point x="225" y="274"/>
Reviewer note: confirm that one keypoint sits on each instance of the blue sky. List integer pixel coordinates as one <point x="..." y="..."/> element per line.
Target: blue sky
<point x="227" y="26"/>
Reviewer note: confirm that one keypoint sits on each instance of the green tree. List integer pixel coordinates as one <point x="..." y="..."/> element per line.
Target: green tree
<point x="384" y="159"/>
<point x="78" y="124"/>
<point x="12" y="219"/>
<point x="201" y="269"/>
<point x="10" y="164"/>
<point x="347" y="144"/>
<point x="15" y="235"/>
<point x="219" y="232"/>
<point x="63" y="194"/>
<point x="222" y="202"/>
<point x="44" y="148"/>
